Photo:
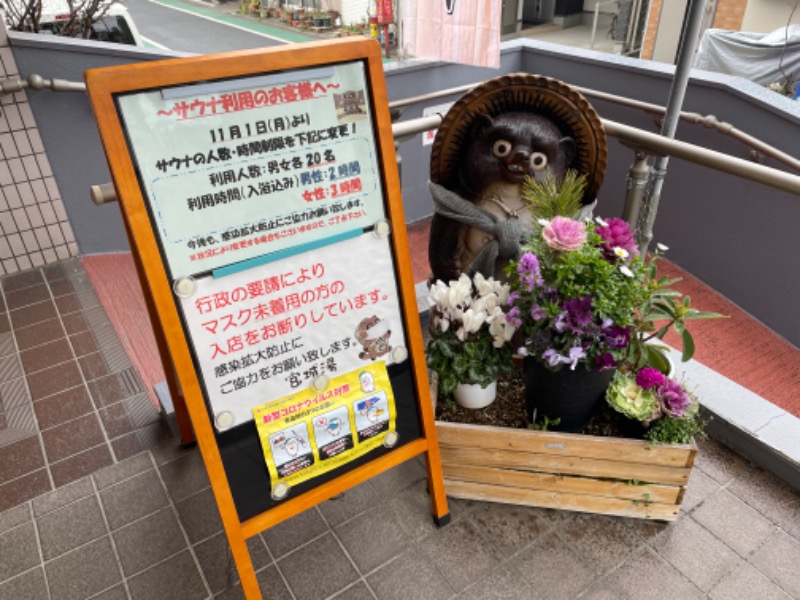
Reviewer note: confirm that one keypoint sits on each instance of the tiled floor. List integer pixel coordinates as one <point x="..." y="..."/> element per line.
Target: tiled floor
<point x="100" y="502"/>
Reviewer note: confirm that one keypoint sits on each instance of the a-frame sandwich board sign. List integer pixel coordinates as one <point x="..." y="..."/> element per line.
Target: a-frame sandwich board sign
<point x="261" y="196"/>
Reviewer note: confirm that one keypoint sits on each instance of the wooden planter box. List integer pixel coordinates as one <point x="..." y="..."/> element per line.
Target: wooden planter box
<point x="604" y="475"/>
<point x="565" y="471"/>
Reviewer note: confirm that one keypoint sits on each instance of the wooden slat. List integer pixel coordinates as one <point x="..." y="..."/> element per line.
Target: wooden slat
<point x="571" y="465"/>
<point x="560" y="484"/>
<point x="563" y="501"/>
<point x="564" y="444"/>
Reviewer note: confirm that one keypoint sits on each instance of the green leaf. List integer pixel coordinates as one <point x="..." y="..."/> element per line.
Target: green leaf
<point x="696" y="314"/>
<point x="688" y="345"/>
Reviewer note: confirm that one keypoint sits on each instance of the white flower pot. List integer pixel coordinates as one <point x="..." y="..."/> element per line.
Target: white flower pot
<point x="472" y="395"/>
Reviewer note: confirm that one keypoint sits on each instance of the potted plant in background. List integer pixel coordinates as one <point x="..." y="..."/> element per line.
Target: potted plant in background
<point x="470" y="338"/>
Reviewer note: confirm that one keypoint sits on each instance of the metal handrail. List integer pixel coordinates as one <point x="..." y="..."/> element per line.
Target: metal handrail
<point x="709" y="121"/>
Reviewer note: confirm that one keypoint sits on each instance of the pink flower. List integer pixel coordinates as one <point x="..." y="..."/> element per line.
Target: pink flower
<point x="564" y="234"/>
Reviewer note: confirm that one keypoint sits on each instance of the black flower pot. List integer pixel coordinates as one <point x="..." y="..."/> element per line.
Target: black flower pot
<point x="571" y="396"/>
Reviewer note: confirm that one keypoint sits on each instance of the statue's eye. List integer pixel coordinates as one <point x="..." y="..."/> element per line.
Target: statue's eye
<point x="538" y="161"/>
<point x="501" y="148"/>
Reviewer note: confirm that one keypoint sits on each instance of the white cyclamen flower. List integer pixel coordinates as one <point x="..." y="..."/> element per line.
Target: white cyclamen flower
<point x="482" y="285"/>
<point x="626" y="271"/>
<point x="473" y="320"/>
<point x="459" y="291"/>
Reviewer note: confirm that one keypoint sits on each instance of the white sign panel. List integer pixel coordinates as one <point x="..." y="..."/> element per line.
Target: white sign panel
<point x="429" y="111"/>
<point x="229" y="167"/>
<point x="269" y="331"/>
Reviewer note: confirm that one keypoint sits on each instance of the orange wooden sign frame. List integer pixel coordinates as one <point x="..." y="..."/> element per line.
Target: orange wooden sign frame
<point x="103" y="84"/>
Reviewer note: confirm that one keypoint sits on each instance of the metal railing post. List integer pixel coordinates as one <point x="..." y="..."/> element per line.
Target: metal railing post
<point x="638" y="177"/>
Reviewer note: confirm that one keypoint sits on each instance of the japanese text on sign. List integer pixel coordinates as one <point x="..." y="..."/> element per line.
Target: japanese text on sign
<point x="226" y="173"/>
<point x="273" y="329"/>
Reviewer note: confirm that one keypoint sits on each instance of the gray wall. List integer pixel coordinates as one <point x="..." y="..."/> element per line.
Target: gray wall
<point x="69" y="132"/>
<point x="737" y="236"/>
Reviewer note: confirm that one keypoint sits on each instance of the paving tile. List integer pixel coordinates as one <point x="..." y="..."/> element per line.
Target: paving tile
<point x="62" y="497"/>
<point x="398" y="478"/>
<point x="347" y="505"/>
<point x="357" y="591"/>
<point x="511" y="528"/>
<point x="93" y="366"/>
<point x="46" y="355"/>
<point x="67" y="528"/>
<point x="718" y="461"/>
<point x="325" y="559"/>
<point x="647" y="575"/>
<point x="41" y="333"/>
<point x="14" y="517"/>
<point x="115" y="420"/>
<point x="28" y="585"/>
<point x="218" y="566"/>
<point x="747" y="583"/>
<point x="272" y="585"/>
<point x="699" y="487"/>
<point x="184" y="476"/>
<point x="116" y="593"/>
<point x="72" y="437"/>
<point x="460" y="553"/>
<point x="696" y="553"/>
<point x="64" y="406"/>
<point x="109" y="389"/>
<point x="543" y="566"/>
<point x="767" y="494"/>
<point x="133" y="499"/>
<point x="24" y="279"/>
<point x="176" y="578"/>
<point x="10" y="368"/>
<point x="67" y="304"/>
<point x="148" y="541"/>
<point x="293" y="533"/>
<point x="504" y="583"/>
<point x="83" y="343"/>
<point x="24" y="488"/>
<point x="372" y="539"/>
<point x="84" y="572"/>
<point x="20" y="551"/>
<point x="411" y="575"/>
<point x="123" y="470"/>
<point x="602" y="542"/>
<point x="14" y="394"/>
<point x="80" y="465"/>
<point x="603" y="590"/>
<point x="778" y="559"/>
<point x="413" y="509"/>
<point x="74" y="323"/>
<point x="20" y="457"/>
<point x="53" y="380"/>
<point x="33" y="313"/>
<point x="26" y="296"/>
<point x="199" y="515"/>
<point x="127" y="446"/>
<point x="734" y="522"/>
<point x="60" y="287"/>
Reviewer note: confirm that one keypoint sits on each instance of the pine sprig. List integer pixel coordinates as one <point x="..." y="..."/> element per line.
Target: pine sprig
<point x="549" y="198"/>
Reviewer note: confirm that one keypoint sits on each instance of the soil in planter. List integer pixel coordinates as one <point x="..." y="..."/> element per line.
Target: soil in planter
<point x="508" y="410"/>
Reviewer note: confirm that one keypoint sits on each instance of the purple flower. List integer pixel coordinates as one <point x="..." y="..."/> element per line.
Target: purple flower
<point x="530" y="274"/>
<point x="552" y="357"/>
<point x="649" y="377"/>
<point x="604" y="362"/>
<point x="575" y="354"/>
<point x="513" y="317"/>
<point x="617" y="337"/>
<point x="513" y="297"/>
<point x="578" y="313"/>
<point x="616" y="233"/>
<point x="673" y="398"/>
<point x="538" y="313"/>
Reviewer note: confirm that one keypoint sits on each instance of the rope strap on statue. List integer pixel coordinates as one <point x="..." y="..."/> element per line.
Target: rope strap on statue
<point x="506" y="235"/>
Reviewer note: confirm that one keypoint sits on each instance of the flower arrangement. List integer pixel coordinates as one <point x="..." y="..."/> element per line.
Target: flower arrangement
<point x="661" y="404"/>
<point x="470" y="335"/>
<point x="575" y="291"/>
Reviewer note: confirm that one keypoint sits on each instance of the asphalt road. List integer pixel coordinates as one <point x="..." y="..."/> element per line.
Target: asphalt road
<point x="200" y="27"/>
